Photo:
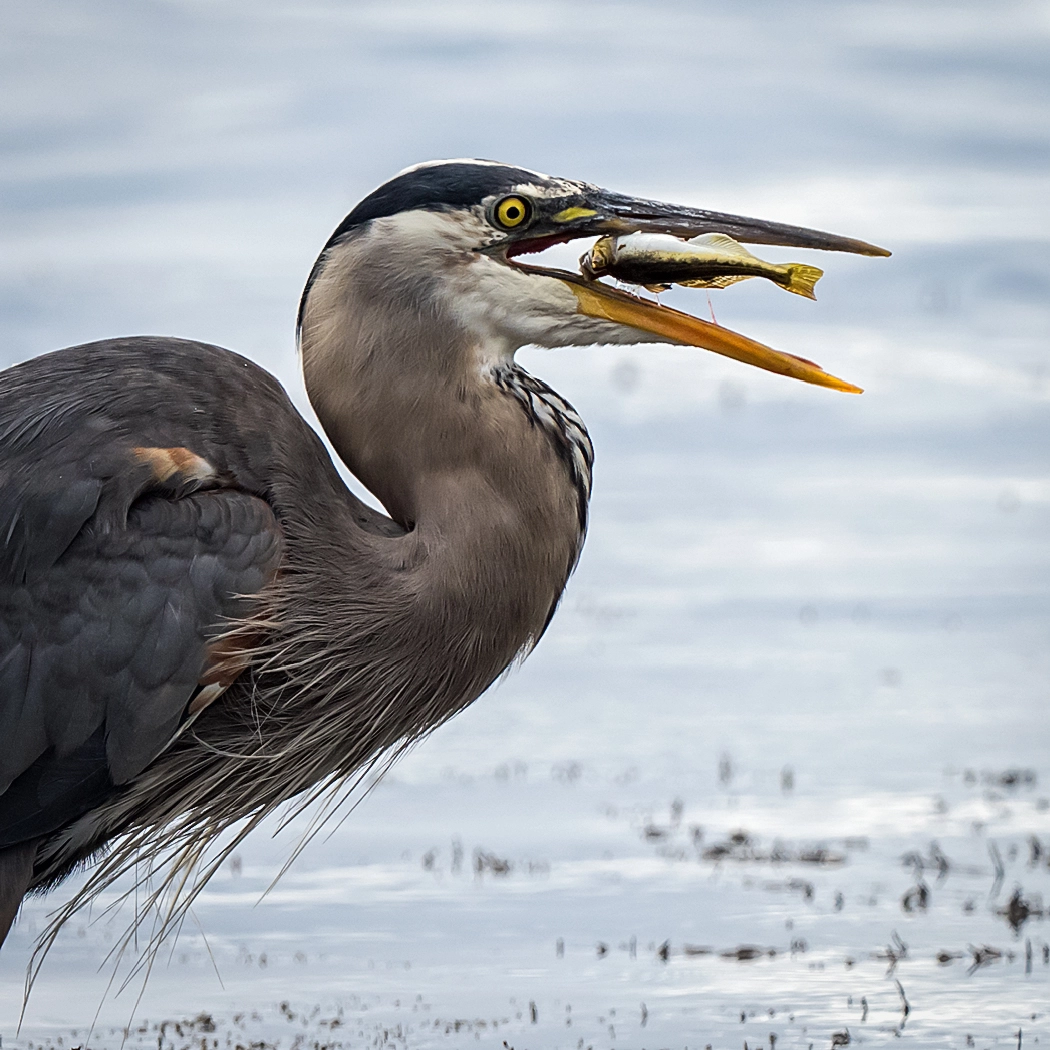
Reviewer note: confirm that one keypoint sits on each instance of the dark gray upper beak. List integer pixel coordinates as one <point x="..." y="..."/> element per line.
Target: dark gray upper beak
<point x="617" y="213"/>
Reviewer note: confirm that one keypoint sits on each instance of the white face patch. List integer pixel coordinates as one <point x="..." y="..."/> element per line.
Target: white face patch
<point x="502" y="306"/>
<point x="433" y="255"/>
<point x="505" y="308"/>
<point x="426" y="236"/>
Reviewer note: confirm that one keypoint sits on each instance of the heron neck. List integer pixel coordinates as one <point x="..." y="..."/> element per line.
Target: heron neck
<point x="492" y="511"/>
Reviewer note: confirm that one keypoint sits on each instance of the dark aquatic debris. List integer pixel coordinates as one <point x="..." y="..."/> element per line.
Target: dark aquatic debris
<point x="893" y="953"/>
<point x="697" y="949"/>
<point x="1036" y="852"/>
<point x="482" y="861"/>
<point x="741" y="953"/>
<point x="1019" y="910"/>
<point x="748" y="952"/>
<point x="984" y="955"/>
<point x="803" y="886"/>
<point x="740" y="846"/>
<point x="934" y="861"/>
<point x="819" y="855"/>
<point x="916" y="899"/>
<point x="1011" y="778"/>
<point x="485" y="861"/>
<point x="905" y="1005"/>
<point x="998" y="869"/>
<point x="736" y="847"/>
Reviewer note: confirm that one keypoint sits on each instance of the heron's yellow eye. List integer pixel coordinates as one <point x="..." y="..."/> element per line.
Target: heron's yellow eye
<point x="511" y="212"/>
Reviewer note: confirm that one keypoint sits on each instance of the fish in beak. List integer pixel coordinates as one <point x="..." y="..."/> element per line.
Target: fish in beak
<point x="713" y="260"/>
<point x="590" y="212"/>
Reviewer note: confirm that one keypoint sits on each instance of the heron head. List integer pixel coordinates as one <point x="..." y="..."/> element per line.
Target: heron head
<point x="449" y="238"/>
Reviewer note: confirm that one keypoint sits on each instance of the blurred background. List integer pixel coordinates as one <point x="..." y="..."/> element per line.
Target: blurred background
<point x="778" y="770"/>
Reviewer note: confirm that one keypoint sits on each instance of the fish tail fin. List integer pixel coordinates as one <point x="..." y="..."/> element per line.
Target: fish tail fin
<point x="802" y="279"/>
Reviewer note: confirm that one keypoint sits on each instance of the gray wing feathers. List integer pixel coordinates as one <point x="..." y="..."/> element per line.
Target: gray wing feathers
<point x="38" y="522"/>
<point x="116" y="631"/>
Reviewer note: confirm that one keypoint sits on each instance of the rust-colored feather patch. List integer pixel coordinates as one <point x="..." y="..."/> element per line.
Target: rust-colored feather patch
<point x="227" y="658"/>
<point x="168" y="462"/>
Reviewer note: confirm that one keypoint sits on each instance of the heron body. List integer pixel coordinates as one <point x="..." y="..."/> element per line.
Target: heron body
<point x="199" y="621"/>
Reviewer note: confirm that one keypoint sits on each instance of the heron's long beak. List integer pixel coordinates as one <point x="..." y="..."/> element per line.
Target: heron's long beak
<point x="599" y="300"/>
<point x="596" y="212"/>
<point x="601" y="211"/>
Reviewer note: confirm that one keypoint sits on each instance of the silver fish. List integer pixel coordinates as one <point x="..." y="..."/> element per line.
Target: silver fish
<point x="712" y="260"/>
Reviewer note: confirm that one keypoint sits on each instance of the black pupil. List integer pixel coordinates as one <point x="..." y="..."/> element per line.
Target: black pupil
<point x="513" y="212"/>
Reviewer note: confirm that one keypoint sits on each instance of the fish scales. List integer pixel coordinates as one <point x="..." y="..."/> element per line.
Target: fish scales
<point x="712" y="260"/>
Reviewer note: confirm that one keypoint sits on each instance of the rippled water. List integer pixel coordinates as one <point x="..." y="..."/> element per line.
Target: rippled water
<point x="814" y="622"/>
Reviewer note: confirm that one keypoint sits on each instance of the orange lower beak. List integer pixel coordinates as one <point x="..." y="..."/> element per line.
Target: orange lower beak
<point x="599" y="300"/>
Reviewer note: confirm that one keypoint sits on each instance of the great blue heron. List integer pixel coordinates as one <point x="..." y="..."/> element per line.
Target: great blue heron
<point x="173" y="532"/>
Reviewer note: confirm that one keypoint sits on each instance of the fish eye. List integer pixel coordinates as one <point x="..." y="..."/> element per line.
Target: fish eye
<point x="511" y="212"/>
